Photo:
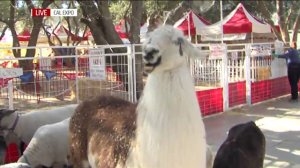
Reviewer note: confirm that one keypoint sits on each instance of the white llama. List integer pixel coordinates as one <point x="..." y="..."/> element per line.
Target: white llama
<point x="166" y="131"/>
<point x="170" y="131"/>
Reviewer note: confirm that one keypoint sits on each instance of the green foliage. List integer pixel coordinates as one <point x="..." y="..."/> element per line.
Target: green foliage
<point x="155" y="6"/>
<point x="21" y="17"/>
<point x="254" y="7"/>
<point x="4" y="9"/>
<point x="118" y="9"/>
<point x="74" y="21"/>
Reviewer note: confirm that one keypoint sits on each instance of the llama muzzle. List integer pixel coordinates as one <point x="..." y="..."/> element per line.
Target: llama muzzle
<point x="151" y="66"/>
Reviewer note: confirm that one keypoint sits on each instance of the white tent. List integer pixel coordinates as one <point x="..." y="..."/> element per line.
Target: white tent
<point x="121" y="30"/>
<point x="191" y="22"/>
<point x="234" y="26"/>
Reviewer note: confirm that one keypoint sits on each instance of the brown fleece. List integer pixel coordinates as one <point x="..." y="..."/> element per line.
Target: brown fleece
<point x="107" y="125"/>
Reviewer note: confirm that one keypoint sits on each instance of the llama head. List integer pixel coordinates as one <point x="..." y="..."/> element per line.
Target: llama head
<point x="248" y="135"/>
<point x="166" y="48"/>
<point x="3" y="114"/>
<point x="243" y="147"/>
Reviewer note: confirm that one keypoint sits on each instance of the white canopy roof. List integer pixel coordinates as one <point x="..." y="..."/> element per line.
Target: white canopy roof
<point x="239" y="21"/>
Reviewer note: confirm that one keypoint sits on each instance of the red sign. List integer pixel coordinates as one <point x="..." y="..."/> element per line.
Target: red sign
<point x="40" y="12"/>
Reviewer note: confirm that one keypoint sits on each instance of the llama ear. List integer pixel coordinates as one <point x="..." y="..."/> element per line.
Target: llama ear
<point x="194" y="52"/>
<point x="179" y="41"/>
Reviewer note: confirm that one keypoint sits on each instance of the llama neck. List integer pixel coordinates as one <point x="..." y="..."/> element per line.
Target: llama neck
<point x="172" y="91"/>
<point x="170" y="131"/>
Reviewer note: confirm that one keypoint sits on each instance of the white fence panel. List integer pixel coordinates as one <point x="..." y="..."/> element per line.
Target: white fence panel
<point x="61" y="78"/>
<point x="66" y="75"/>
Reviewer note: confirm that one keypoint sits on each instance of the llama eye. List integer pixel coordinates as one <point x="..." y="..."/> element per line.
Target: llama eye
<point x="179" y="41"/>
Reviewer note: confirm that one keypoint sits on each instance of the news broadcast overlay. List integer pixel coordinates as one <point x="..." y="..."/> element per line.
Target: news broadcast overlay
<point x="39" y="12"/>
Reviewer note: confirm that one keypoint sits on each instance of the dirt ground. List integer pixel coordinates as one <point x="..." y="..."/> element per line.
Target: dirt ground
<point x="29" y="105"/>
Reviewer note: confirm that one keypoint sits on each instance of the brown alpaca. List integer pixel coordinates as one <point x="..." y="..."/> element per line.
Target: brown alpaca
<point x="110" y="138"/>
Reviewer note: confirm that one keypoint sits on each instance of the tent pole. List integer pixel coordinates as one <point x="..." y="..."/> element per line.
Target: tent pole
<point x="189" y="27"/>
<point x="221" y="13"/>
<point x="251" y="37"/>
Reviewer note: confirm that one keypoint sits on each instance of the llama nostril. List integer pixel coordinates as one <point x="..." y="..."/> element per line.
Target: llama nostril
<point x="148" y="56"/>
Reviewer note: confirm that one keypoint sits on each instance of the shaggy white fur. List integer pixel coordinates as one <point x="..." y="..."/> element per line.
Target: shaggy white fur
<point x="170" y="130"/>
<point x="210" y="157"/>
<point x="49" y="146"/>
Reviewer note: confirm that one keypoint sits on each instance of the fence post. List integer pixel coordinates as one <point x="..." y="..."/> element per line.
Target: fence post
<point x="133" y="54"/>
<point x="129" y="72"/>
<point x="224" y="79"/>
<point x="76" y="78"/>
<point x="248" y="73"/>
<point x="10" y="95"/>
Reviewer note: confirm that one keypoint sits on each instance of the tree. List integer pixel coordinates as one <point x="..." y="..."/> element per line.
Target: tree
<point x="287" y="18"/>
<point x="37" y="25"/>
<point x="70" y="24"/>
<point x="186" y="5"/>
<point x="8" y="18"/>
<point x="97" y="16"/>
<point x="285" y="12"/>
<point x="17" y="10"/>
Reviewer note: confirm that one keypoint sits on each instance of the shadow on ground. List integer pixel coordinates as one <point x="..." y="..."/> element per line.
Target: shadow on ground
<point x="279" y="120"/>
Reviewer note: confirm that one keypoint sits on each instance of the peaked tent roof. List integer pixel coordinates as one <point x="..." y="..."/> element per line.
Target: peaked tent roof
<point x="63" y="33"/>
<point x="192" y="21"/>
<point x="24" y="35"/>
<point x="121" y="30"/>
<point x="238" y="21"/>
<point x="75" y="37"/>
<point x="60" y="30"/>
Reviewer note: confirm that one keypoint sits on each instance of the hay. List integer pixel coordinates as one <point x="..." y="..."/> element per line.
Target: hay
<point x="263" y="73"/>
<point x="88" y="88"/>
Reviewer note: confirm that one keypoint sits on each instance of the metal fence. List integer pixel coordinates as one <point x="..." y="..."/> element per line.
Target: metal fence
<point x="67" y="78"/>
<point x="243" y="64"/>
<point x="209" y="72"/>
<point x="56" y="80"/>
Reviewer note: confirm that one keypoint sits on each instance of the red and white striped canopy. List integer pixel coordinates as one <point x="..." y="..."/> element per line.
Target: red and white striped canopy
<point x="24" y="35"/>
<point x="238" y="21"/>
<point x="191" y="22"/>
<point x="121" y="30"/>
<point x="63" y="33"/>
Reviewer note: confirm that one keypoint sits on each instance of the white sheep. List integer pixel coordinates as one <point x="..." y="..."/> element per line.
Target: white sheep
<point x="49" y="146"/>
<point x="15" y="165"/>
<point x="24" y="125"/>
<point x="165" y="130"/>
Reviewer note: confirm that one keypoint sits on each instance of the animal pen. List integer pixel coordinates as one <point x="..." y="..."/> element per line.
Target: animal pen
<point x="71" y="78"/>
<point x="231" y="75"/>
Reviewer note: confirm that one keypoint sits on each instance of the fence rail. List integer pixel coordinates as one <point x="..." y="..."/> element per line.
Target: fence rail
<point x="65" y="78"/>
